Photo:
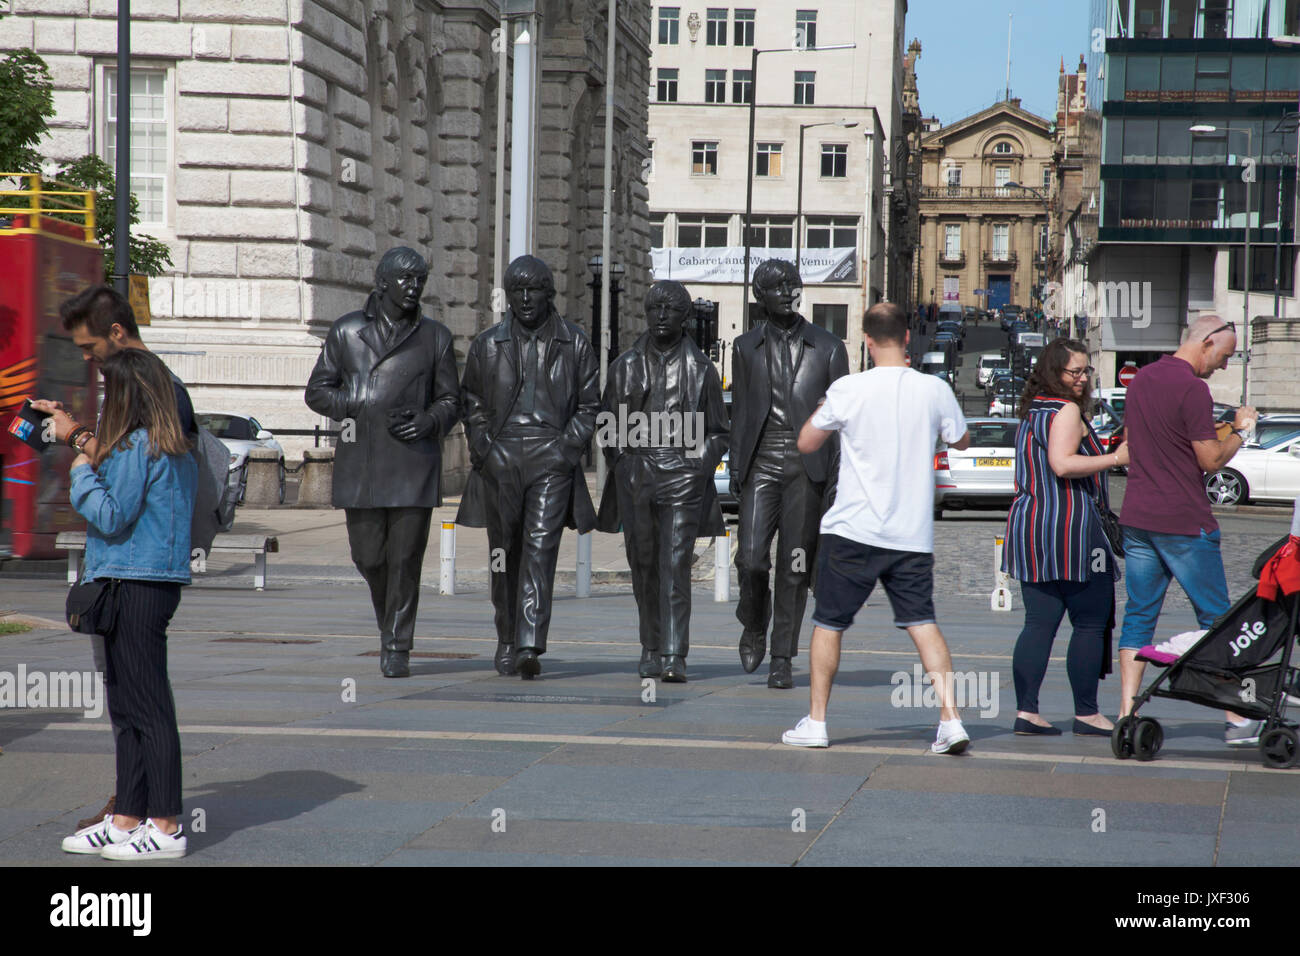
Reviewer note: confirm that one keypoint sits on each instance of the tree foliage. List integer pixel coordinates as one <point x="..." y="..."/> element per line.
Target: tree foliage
<point x="26" y="103"/>
<point x="149" y="256"/>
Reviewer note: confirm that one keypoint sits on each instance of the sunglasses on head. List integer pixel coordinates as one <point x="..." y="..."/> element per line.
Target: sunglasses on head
<point x="1223" y="328"/>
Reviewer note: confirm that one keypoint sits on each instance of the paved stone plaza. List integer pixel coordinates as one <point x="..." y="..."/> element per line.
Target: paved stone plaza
<point x="459" y="766"/>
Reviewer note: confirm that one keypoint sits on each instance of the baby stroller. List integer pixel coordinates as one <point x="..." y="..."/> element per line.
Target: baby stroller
<point x="1243" y="664"/>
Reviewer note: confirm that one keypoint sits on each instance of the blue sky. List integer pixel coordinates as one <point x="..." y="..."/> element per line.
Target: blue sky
<point x="963" y="61"/>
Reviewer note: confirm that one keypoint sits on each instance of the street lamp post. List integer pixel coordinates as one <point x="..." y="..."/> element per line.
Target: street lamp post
<point x="749" y="174"/>
<point x="1247" y="277"/>
<point x="798" y="215"/>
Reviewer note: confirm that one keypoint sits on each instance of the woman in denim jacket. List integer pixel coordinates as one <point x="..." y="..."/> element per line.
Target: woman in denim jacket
<point x="137" y="496"/>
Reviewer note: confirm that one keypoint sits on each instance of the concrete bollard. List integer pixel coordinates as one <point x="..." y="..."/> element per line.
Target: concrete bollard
<point x="317" y="487"/>
<point x="447" y="550"/>
<point x="262" y="478"/>
<point x="584" y="565"/>
<point x="722" y="567"/>
<point x="1000" y="599"/>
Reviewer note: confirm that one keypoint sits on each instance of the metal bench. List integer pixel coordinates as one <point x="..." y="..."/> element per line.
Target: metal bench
<point x="258" y="545"/>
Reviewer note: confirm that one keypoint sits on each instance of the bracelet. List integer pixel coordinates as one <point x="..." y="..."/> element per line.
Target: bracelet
<point x="71" y="440"/>
<point x="82" y="441"/>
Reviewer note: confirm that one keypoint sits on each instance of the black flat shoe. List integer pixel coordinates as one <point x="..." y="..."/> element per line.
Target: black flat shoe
<point x="650" y="665"/>
<point x="505" y="660"/>
<point x="1029" y="729"/>
<point x="394" y="663"/>
<point x="753" y="647"/>
<point x="527" y="663"/>
<point x="1088" y="730"/>
<point x="778" y="677"/>
<point x="674" y="670"/>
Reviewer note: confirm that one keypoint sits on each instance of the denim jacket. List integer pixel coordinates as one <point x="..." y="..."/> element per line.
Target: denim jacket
<point x="137" y="510"/>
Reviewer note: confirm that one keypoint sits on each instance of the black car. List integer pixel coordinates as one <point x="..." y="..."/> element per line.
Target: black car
<point x="948" y="325"/>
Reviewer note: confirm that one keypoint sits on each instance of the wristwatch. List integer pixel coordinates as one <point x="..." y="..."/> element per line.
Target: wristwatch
<point x="1241" y="433"/>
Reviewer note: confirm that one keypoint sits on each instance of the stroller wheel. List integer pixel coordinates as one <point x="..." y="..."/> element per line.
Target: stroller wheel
<point x="1148" y="735"/>
<point x="1121" y="739"/>
<point x="1280" y="747"/>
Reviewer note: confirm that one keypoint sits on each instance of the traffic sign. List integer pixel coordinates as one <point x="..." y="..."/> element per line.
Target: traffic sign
<point x="1127" y="374"/>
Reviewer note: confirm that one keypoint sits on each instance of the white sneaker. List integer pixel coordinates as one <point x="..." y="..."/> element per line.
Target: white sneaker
<point x="148" y="843"/>
<point x="94" y="838"/>
<point x="807" y="733"/>
<point x="951" y="739"/>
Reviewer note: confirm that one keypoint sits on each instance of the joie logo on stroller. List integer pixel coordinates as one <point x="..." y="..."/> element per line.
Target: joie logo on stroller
<point x="1250" y="633"/>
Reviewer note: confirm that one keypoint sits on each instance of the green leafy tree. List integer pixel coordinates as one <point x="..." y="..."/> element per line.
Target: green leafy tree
<point x="149" y="256"/>
<point x="26" y="103"/>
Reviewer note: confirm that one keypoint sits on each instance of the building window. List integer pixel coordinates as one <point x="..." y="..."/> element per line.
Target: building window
<point x="768" y="160"/>
<point x="704" y="158"/>
<point x="701" y="232"/>
<point x="951" y="242"/>
<point x="1047" y="179"/>
<point x="1042" y="242"/>
<point x="669" y="19"/>
<point x="833" y="318"/>
<point x="742" y="86"/>
<point x="805" y="29"/>
<point x="953" y="175"/>
<point x="1002" y="242"/>
<point x="1261" y="268"/>
<point x="826" y="232"/>
<point x="667" y="87"/>
<point x="716" y="34"/>
<point x="715" y="86"/>
<point x="657" y="230"/>
<point x="150" y="139"/>
<point x="1002" y="176"/>
<point x="771" y="232"/>
<point x="835" y="160"/>
<point x="804" y="82"/>
<point x="1002" y="148"/>
<point x="744" y="24"/>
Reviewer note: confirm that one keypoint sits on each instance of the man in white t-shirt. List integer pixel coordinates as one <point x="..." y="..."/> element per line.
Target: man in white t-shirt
<point x="881" y="527"/>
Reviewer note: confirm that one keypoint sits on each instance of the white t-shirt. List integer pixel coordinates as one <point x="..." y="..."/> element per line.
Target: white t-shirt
<point x="888" y="419"/>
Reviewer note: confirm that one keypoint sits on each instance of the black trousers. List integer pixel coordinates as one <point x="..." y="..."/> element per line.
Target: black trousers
<point x="777" y="500"/>
<point x="140" y="702"/>
<point x="529" y="481"/>
<point x="388" y="549"/>
<point x="659" y="503"/>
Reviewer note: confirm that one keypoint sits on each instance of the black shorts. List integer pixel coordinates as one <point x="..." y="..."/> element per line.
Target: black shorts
<point x="847" y="572"/>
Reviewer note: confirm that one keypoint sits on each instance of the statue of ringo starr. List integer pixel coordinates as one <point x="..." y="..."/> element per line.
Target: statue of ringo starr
<point x="660" y="479"/>
<point x="390" y="374"/>
<point x="531" y="391"/>
<point x="782" y="369"/>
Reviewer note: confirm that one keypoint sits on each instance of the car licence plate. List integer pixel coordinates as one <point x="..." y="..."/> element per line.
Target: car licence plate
<point x="994" y="462"/>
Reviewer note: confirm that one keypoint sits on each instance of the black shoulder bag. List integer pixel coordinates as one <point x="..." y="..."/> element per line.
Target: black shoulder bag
<point x="92" y="607"/>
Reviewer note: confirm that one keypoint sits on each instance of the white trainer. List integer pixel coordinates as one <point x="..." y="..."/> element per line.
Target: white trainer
<point x="807" y="733"/>
<point x="93" y="839"/>
<point x="952" y="739"/>
<point x="148" y="843"/>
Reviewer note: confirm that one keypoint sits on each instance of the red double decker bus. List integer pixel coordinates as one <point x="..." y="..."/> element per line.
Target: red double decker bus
<point x="48" y="254"/>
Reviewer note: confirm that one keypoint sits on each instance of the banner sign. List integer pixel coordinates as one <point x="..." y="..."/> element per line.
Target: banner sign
<point x="724" y="263"/>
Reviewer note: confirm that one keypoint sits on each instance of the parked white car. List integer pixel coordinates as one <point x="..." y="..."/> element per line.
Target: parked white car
<point x="981" y="476"/>
<point x="1269" y="472"/>
<point x="241" y="434"/>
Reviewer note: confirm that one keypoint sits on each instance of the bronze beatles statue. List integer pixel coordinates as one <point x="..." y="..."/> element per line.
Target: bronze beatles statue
<point x="531" y="390"/>
<point x="390" y="374"/>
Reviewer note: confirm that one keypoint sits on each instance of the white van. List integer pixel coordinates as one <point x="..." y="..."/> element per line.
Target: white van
<point x="936" y="363"/>
<point x="988" y="363"/>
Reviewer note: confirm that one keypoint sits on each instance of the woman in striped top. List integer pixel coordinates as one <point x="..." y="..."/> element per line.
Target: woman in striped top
<point x="1055" y="545"/>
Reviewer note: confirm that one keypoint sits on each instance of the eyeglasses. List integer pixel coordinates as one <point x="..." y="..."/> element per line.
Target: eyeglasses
<point x="1223" y="328"/>
<point x="1078" y="373"/>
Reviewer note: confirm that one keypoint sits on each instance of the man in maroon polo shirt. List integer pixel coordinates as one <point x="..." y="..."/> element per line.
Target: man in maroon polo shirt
<point x="1169" y="532"/>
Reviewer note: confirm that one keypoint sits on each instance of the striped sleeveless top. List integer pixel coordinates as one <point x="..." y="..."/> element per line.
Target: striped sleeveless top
<point x="1053" y="525"/>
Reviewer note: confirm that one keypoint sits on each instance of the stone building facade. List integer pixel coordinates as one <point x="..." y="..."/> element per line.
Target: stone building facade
<point x="287" y="145"/>
<point x="977" y="231"/>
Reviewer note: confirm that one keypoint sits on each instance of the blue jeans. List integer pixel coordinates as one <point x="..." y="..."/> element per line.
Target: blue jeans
<point x="1151" y="560"/>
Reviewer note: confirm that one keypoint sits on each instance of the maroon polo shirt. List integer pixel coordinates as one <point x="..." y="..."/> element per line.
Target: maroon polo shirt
<point x="1166" y="409"/>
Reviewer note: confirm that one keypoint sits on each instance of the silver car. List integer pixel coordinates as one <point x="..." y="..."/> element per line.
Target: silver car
<point x="722" y="474"/>
<point x="241" y="434"/>
<point x="981" y="476"/>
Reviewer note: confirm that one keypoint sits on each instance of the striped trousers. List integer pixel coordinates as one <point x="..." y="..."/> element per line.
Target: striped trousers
<point x="140" y="702"/>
